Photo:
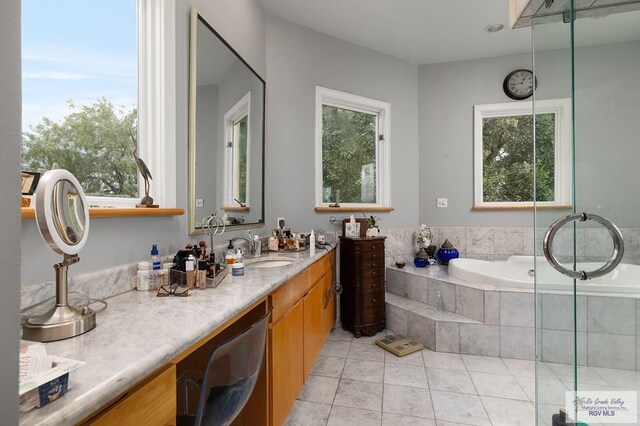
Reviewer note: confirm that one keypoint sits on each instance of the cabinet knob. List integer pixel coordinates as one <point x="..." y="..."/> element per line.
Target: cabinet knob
<point x="374" y="264"/>
<point x="373" y="300"/>
<point x="374" y="256"/>
<point x="374" y="247"/>
<point x="374" y="273"/>
<point x="373" y="285"/>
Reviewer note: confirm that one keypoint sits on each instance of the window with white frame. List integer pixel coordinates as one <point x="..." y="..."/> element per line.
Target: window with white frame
<point x="509" y="169"/>
<point x="92" y="95"/>
<point x="352" y="150"/>
<point x="238" y="136"/>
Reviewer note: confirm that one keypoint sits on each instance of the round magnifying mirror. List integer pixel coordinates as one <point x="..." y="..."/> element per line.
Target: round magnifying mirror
<point x="62" y="213"/>
<point x="62" y="216"/>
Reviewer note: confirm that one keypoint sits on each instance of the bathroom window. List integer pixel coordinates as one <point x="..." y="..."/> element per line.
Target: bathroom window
<point x="505" y="161"/>
<point x="93" y="92"/>
<point x="237" y="135"/>
<point x="352" y="150"/>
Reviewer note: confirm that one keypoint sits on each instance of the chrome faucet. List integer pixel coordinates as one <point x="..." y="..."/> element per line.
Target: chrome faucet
<point x="248" y="241"/>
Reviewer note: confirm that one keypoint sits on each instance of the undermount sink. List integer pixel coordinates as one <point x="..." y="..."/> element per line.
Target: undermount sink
<point x="270" y="262"/>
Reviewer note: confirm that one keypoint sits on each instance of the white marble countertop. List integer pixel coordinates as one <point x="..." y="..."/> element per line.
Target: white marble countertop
<point x="140" y="332"/>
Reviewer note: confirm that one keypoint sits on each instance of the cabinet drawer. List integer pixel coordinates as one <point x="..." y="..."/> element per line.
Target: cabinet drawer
<point x="373" y="285"/>
<point x="373" y="300"/>
<point x="369" y="273"/>
<point x="154" y="403"/>
<point x="371" y="246"/>
<point x="375" y="256"/>
<point x="288" y="295"/>
<point x="372" y="315"/>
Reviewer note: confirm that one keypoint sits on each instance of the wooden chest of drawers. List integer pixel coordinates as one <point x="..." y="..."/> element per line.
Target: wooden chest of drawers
<point x="362" y="277"/>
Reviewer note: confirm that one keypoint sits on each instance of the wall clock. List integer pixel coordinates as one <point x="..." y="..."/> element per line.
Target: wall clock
<point x="519" y="84"/>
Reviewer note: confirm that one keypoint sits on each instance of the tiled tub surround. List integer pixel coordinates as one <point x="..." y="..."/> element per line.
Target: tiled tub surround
<point x="484" y="320"/>
<point x="593" y="244"/>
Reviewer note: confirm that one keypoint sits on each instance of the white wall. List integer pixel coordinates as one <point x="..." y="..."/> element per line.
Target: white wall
<point x="298" y="59"/>
<point x="10" y="116"/>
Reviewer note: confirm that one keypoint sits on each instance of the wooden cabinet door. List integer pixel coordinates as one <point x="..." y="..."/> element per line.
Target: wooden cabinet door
<point x="313" y="328"/>
<point x="287" y="368"/>
<point x="328" y="313"/>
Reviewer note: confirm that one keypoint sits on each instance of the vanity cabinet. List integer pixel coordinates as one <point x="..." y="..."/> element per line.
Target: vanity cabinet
<point x="303" y="315"/>
<point x="362" y="304"/>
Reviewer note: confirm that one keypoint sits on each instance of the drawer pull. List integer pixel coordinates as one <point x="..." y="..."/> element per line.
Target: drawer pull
<point x="374" y="247"/>
<point x="373" y="285"/>
<point x="373" y="300"/>
<point x="374" y="256"/>
<point x="374" y="273"/>
<point x="374" y="264"/>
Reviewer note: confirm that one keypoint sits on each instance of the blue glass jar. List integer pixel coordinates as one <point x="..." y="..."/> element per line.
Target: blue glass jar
<point x="446" y="253"/>
<point x="422" y="258"/>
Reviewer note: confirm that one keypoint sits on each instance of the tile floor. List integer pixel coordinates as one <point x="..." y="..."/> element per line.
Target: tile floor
<point x="354" y="383"/>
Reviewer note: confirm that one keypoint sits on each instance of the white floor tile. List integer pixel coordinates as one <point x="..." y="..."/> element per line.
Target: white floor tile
<point x="328" y="366"/>
<point x="345" y="416"/>
<point x="520" y="367"/>
<point x="507" y="412"/>
<point x="357" y="394"/>
<point x="528" y="385"/>
<point x="337" y="349"/>
<point x="319" y="389"/>
<point x="391" y="419"/>
<point x="566" y="373"/>
<point x="498" y="385"/>
<point x="366" y="351"/>
<point x="340" y="335"/>
<point x="459" y="408"/>
<point x="305" y="413"/>
<point x="485" y="364"/>
<point x="450" y="380"/>
<point x="411" y="359"/>
<point x="366" y="371"/>
<point x="415" y="402"/>
<point x="443" y="360"/>
<point x="405" y="375"/>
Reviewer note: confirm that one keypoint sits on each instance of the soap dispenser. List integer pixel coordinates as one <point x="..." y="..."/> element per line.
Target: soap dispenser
<point x="230" y="256"/>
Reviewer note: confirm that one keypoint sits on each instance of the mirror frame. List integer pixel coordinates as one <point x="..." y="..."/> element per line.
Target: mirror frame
<point x="195" y="229"/>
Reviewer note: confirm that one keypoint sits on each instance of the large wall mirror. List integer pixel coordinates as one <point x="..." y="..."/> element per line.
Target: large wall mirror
<point x="226" y="133"/>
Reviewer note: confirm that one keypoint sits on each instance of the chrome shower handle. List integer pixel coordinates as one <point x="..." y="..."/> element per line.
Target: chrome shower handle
<point x="616" y="255"/>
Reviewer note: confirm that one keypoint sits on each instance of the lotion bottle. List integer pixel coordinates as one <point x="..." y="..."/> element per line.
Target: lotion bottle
<point x="312" y="243"/>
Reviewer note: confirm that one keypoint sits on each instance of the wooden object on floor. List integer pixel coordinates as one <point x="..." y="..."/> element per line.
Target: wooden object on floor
<point x="362" y="305"/>
<point x="399" y="345"/>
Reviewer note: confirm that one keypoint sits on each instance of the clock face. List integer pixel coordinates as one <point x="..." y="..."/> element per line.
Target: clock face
<point x="519" y="84"/>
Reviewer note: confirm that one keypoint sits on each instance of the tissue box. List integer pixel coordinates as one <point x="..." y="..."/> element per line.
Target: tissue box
<point x="44" y="394"/>
<point x="359" y="221"/>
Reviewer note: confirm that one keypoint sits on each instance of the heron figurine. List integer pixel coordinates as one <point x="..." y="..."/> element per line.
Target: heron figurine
<point x="146" y="201"/>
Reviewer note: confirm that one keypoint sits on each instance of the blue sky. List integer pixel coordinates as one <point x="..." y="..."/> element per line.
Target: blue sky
<point x="79" y="50"/>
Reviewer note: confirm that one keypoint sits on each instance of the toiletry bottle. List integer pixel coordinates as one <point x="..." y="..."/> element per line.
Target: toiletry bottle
<point x="155" y="259"/>
<point x="144" y="276"/>
<point x="312" y="243"/>
<point x="257" y="246"/>
<point x="190" y="271"/>
<point x="281" y="244"/>
<point x="202" y="274"/>
<point x="230" y="257"/>
<point x="273" y="242"/>
<point x="238" y="256"/>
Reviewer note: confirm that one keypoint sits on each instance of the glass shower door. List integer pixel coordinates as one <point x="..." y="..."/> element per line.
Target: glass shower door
<point x="587" y="330"/>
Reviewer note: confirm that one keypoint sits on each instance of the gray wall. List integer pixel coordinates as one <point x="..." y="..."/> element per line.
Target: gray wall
<point x="116" y="241"/>
<point x="298" y="59"/>
<point x="10" y="116"/>
<point x="208" y="142"/>
<point x="607" y="129"/>
<point x="447" y="94"/>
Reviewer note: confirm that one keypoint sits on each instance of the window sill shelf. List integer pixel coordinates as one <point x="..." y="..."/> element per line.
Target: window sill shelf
<point x="353" y="209"/>
<point x="30" y="213"/>
<point x="235" y="209"/>
<point x="481" y="208"/>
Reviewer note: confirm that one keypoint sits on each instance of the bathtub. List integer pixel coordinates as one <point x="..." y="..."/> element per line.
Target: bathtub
<point x="514" y="273"/>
